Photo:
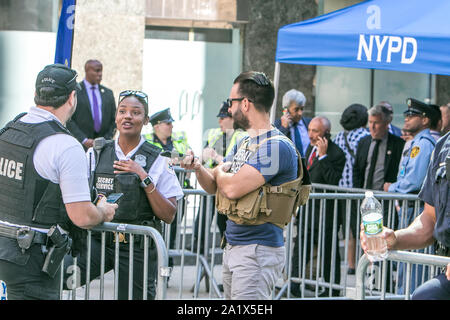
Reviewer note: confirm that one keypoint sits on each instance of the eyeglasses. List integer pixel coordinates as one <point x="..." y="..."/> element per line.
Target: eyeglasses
<point x="136" y="93"/>
<point x="230" y="101"/>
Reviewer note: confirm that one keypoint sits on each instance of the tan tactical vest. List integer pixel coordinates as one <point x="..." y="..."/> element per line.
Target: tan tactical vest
<point x="274" y="204"/>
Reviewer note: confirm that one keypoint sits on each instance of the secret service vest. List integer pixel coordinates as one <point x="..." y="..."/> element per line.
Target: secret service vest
<point x="134" y="206"/>
<point x="26" y="198"/>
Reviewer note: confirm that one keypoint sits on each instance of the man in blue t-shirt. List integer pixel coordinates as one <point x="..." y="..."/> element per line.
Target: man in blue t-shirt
<point x="254" y="255"/>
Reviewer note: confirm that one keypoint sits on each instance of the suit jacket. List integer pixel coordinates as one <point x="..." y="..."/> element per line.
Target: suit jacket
<point x="287" y="131"/>
<point x="394" y="150"/>
<point x="81" y="124"/>
<point x="328" y="170"/>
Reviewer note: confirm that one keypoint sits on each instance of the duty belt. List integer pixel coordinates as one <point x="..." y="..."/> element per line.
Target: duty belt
<point x="25" y="236"/>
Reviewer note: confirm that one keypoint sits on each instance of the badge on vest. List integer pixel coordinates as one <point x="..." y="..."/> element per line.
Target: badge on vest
<point x="141" y="160"/>
<point x="414" y="152"/>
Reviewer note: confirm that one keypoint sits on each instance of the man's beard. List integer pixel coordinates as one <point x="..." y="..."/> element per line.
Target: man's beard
<point x="240" y="120"/>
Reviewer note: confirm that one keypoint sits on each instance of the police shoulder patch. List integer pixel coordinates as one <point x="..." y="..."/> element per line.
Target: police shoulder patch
<point x="414" y="152"/>
<point x="169" y="166"/>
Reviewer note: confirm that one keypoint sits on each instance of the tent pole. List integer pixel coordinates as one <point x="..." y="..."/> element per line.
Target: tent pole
<point x="372" y="86"/>
<point x="276" y="80"/>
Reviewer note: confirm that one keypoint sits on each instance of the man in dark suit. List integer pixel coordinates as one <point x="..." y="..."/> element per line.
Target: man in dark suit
<point x="377" y="160"/>
<point x="96" y="108"/>
<point x="292" y="124"/>
<point x="325" y="163"/>
<point x="388" y="152"/>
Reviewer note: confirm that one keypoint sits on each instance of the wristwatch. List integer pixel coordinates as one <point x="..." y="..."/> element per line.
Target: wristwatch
<point x="146" y="182"/>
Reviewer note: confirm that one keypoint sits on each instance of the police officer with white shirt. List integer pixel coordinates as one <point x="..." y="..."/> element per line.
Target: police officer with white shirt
<point x="134" y="167"/>
<point x="44" y="189"/>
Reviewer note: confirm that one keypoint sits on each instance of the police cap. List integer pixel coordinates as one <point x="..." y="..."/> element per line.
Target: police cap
<point x="418" y="108"/>
<point x="161" y="116"/>
<point x="223" y="113"/>
<point x="59" y="77"/>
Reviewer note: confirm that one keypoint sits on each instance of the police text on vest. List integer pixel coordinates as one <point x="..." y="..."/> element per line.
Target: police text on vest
<point x="11" y="169"/>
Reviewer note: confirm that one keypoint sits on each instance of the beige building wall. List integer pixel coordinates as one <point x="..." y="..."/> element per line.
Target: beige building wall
<point x="112" y="32"/>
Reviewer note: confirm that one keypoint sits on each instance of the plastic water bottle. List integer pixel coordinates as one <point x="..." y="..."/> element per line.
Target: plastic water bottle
<point x="372" y="218"/>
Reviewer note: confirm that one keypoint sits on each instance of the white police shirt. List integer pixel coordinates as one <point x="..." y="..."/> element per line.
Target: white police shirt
<point x="161" y="171"/>
<point x="60" y="158"/>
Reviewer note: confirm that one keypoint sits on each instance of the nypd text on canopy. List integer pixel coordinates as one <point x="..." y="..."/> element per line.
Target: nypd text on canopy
<point x="373" y="46"/>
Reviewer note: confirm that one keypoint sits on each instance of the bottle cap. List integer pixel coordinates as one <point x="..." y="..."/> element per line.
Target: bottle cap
<point x="369" y="194"/>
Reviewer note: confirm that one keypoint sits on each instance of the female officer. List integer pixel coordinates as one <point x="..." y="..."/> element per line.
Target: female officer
<point x="132" y="166"/>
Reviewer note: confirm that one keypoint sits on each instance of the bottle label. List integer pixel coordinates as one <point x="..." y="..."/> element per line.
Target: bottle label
<point x="373" y="227"/>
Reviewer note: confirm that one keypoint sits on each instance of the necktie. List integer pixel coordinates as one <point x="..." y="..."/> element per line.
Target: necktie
<point x="224" y="144"/>
<point x="311" y="159"/>
<point x="298" y="140"/>
<point x="373" y="162"/>
<point x="97" y="123"/>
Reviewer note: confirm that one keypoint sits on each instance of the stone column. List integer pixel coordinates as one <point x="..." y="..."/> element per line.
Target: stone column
<point x="113" y="33"/>
<point x="260" y="40"/>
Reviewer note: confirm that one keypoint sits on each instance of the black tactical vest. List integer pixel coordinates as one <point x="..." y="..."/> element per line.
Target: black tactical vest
<point x="134" y="206"/>
<point x="26" y="198"/>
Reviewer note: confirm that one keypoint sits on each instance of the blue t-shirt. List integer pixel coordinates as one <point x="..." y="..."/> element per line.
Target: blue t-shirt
<point x="276" y="160"/>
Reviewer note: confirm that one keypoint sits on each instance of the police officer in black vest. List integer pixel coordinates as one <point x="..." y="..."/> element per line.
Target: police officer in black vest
<point x="44" y="190"/>
<point x="432" y="225"/>
<point x="134" y="167"/>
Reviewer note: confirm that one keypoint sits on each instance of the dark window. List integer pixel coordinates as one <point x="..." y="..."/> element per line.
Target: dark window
<point x="200" y="34"/>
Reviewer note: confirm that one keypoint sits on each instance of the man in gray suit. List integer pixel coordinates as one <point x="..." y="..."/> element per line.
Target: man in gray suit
<point x="96" y="108"/>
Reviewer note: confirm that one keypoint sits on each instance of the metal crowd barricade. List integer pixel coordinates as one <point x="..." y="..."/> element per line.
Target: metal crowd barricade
<point x="187" y="249"/>
<point x="188" y="258"/>
<point x="310" y="277"/>
<point x="310" y="226"/>
<point x="146" y="231"/>
<point x="404" y="256"/>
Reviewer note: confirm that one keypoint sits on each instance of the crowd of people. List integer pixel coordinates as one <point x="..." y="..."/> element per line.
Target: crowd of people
<point x="259" y="172"/>
<point x="380" y="157"/>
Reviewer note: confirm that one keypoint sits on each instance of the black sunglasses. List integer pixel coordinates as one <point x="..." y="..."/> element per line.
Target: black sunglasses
<point x="136" y="93"/>
<point x="230" y="101"/>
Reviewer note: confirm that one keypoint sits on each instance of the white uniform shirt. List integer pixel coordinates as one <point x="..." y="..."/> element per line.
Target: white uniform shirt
<point x="161" y="171"/>
<point x="60" y="158"/>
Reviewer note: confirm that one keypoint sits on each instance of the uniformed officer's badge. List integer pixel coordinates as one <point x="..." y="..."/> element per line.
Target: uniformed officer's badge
<point x="141" y="160"/>
<point x="102" y="90"/>
<point x="414" y="152"/>
<point x="408" y="102"/>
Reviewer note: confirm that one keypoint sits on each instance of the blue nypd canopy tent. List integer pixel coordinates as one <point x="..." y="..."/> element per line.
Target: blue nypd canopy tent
<point x="402" y="35"/>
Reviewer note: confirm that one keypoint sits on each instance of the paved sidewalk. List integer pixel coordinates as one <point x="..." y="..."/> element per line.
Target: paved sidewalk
<point x="187" y="289"/>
